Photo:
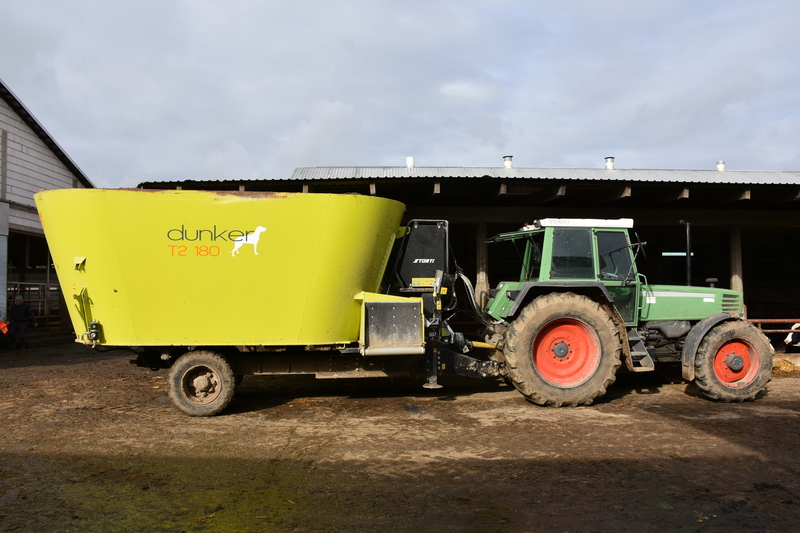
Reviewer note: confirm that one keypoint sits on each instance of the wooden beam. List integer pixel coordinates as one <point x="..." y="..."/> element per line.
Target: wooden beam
<point x="735" y="195"/>
<point x="550" y="194"/>
<point x="372" y="189"/>
<point x="519" y="188"/>
<point x="614" y="194"/>
<point x="437" y="188"/>
<point x="663" y="196"/>
<point x="482" y="265"/>
<point x="784" y="195"/>
<point x="305" y="187"/>
<point x="769" y="196"/>
<point x="737" y="280"/>
<point x="502" y="192"/>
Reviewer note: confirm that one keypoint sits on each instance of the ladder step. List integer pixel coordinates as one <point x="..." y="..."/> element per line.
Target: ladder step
<point x="645" y="364"/>
<point x="640" y="357"/>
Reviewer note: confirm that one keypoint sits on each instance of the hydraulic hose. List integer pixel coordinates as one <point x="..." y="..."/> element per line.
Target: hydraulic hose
<point x="471" y="296"/>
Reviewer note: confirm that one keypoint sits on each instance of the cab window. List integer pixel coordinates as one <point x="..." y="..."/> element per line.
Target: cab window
<point x="614" y="255"/>
<point x="572" y="254"/>
<point x="533" y="256"/>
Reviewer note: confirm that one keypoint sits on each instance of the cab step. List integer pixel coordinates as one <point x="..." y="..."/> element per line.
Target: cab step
<point x="640" y="357"/>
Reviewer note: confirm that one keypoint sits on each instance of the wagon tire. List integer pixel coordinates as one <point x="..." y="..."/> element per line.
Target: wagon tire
<point x="733" y="362"/>
<point x="201" y="383"/>
<point x="564" y="349"/>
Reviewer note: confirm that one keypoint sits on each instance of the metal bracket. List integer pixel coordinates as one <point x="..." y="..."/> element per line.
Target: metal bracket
<point x="464" y="365"/>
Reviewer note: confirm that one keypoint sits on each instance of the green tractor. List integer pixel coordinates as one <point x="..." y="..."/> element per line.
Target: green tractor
<point x="581" y="309"/>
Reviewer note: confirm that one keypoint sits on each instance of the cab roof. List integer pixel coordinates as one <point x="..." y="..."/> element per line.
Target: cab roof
<point x="527" y="229"/>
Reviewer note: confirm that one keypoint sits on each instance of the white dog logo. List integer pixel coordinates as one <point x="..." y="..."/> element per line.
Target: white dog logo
<point x="249" y="238"/>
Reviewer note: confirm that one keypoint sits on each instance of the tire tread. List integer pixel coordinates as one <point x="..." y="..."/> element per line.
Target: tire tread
<point x="517" y="350"/>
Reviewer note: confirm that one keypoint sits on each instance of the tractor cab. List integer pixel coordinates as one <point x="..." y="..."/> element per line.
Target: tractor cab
<point x="590" y="256"/>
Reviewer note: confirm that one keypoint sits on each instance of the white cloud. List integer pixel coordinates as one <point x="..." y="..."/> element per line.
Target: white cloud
<point x="469" y="92"/>
<point x="328" y="136"/>
<point x="231" y="161"/>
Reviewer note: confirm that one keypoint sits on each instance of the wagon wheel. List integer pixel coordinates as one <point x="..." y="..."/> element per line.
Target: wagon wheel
<point x="201" y="383"/>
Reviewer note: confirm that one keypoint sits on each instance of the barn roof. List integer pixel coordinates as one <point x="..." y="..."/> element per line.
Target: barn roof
<point x="728" y="177"/>
<point x="27" y="117"/>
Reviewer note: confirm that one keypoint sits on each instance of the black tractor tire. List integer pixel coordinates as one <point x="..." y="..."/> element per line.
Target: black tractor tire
<point x="563" y="350"/>
<point x="201" y="383"/>
<point x="733" y="362"/>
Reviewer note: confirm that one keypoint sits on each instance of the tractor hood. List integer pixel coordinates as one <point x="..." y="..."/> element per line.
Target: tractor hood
<point x="675" y="302"/>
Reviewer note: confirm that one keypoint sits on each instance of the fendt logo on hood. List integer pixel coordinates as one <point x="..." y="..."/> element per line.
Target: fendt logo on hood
<point x="210" y="237"/>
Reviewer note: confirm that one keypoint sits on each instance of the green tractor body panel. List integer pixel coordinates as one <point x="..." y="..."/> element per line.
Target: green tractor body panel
<point x="670" y="302"/>
<point x="503" y="302"/>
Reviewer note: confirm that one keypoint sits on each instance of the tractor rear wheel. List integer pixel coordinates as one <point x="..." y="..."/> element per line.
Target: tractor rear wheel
<point x="563" y="349"/>
<point x="201" y="383"/>
<point x="733" y="362"/>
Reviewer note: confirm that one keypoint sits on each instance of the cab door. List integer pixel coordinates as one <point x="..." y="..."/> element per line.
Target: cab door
<point x="616" y="270"/>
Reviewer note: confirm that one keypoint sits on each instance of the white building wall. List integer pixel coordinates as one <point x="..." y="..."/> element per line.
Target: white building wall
<point x="3" y="259"/>
<point x="27" y="166"/>
<point x="30" y="167"/>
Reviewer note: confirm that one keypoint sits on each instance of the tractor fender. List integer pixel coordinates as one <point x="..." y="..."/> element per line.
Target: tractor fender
<point x="693" y="340"/>
<point x="597" y="291"/>
<point x="536" y="288"/>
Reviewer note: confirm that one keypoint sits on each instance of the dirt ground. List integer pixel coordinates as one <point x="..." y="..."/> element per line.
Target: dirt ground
<point x="91" y="443"/>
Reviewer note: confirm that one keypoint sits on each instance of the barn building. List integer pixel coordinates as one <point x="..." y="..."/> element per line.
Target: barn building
<point x="743" y="227"/>
<point x="30" y="161"/>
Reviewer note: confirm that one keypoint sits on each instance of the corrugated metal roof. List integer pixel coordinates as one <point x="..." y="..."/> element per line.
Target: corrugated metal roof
<point x="743" y="177"/>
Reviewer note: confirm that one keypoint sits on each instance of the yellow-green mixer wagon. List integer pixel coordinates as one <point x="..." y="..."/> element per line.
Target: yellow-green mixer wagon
<point x="218" y="285"/>
<point x="188" y="268"/>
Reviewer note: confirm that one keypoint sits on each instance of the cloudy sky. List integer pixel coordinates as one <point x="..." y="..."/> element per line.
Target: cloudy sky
<point x="163" y="90"/>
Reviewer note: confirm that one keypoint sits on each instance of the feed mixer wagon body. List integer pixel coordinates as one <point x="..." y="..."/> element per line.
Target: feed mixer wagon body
<point x="196" y="268"/>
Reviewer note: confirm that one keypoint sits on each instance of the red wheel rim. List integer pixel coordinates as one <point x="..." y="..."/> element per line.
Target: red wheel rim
<point x="566" y="352"/>
<point x="736" y="363"/>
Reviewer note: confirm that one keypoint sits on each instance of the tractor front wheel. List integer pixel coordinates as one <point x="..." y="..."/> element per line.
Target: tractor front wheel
<point x="563" y="349"/>
<point x="201" y="383"/>
<point x="733" y="362"/>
